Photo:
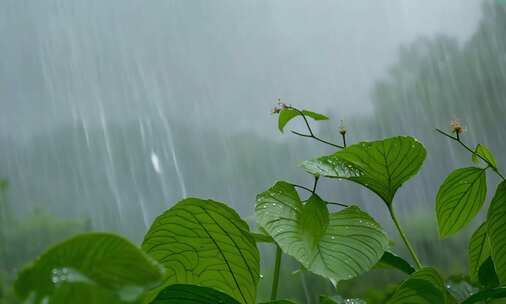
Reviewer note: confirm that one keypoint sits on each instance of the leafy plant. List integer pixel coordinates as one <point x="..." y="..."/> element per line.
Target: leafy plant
<point x="201" y="251"/>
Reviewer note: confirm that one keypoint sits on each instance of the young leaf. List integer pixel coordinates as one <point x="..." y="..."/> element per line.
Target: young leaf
<point x="496" y="231"/>
<point x="424" y="286"/>
<point x="459" y="199"/>
<point x="337" y="246"/>
<point x="206" y="243"/>
<point x="288" y="114"/>
<point x="382" y="166"/>
<point x="479" y="251"/>
<point x="192" y="294"/>
<point x="96" y="266"/>
<point x="392" y="261"/>
<point x="484" y="152"/>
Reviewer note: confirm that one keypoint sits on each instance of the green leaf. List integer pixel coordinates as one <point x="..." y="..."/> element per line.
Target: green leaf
<point x="484" y="152"/>
<point x="382" y="166"/>
<point x="488" y="294"/>
<point x="337" y="246"/>
<point x="392" y="261"/>
<point x="192" y="294"/>
<point x="288" y="114"/>
<point x="425" y="286"/>
<point x="459" y="199"/>
<point x="97" y="266"/>
<point x="496" y="231"/>
<point x="479" y="251"/>
<point x="206" y="243"/>
<point x="487" y="275"/>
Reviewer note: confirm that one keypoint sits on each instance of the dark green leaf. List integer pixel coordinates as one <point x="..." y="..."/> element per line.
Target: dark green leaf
<point x="487" y="275"/>
<point x="288" y="114"/>
<point x="424" y="286"/>
<point x="496" y="231"/>
<point x="488" y="294"/>
<point x="479" y="251"/>
<point x="382" y="166"/>
<point x="337" y="246"/>
<point x="390" y="260"/>
<point x="484" y="152"/>
<point x="192" y="294"/>
<point x="459" y="199"/>
<point x="206" y="243"/>
<point x="97" y="266"/>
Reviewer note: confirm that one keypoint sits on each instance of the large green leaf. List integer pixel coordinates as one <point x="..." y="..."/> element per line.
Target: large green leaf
<point x="496" y="231"/>
<point x="279" y="302"/>
<point x="206" y="243"/>
<point x="382" y="166"/>
<point x="479" y="251"/>
<point x="425" y="286"/>
<point x="485" y="295"/>
<point x="192" y="294"/>
<point x="459" y="199"/>
<point x="96" y="266"/>
<point x="288" y="114"/>
<point x="337" y="246"/>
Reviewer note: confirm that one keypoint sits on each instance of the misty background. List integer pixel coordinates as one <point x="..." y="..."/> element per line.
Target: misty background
<point x="112" y="111"/>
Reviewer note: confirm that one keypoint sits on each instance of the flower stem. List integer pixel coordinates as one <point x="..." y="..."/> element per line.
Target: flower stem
<point x="457" y="139"/>
<point x="404" y="237"/>
<point x="275" y="279"/>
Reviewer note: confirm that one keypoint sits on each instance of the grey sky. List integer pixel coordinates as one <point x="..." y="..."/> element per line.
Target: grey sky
<point x="210" y="61"/>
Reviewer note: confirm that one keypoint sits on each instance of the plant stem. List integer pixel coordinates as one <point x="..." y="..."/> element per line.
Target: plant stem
<point x="311" y="134"/>
<point x="457" y="139"/>
<point x="404" y="237"/>
<point x="275" y="279"/>
<point x="316" y="178"/>
<point x="303" y="187"/>
<point x="317" y="138"/>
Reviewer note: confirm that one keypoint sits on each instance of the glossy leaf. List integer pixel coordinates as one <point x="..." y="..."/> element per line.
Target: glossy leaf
<point x="496" y="230"/>
<point x="479" y="251"/>
<point x="392" y="261"/>
<point x="459" y="199"/>
<point x="192" y="294"/>
<point x="382" y="166"/>
<point x="96" y="266"/>
<point x="484" y="152"/>
<point x="288" y="114"/>
<point x="425" y="286"/>
<point x="337" y="246"/>
<point x="206" y="243"/>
